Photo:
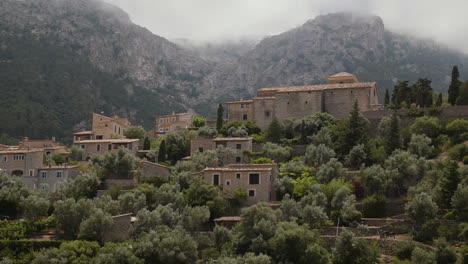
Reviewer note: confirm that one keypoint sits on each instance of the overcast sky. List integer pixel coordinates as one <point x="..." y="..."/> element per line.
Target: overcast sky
<point x="211" y="20"/>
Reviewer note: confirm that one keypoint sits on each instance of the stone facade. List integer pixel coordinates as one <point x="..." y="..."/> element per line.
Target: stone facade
<point x="238" y="145"/>
<point x="109" y="127"/>
<point x="120" y="230"/>
<point x="21" y="162"/>
<point x="51" y="178"/>
<point x="256" y="179"/>
<point x="93" y="148"/>
<point x="150" y="170"/>
<point x="50" y="147"/>
<point x="336" y="98"/>
<point x="174" y="122"/>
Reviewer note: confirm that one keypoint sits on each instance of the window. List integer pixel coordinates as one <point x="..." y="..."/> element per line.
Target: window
<point x="267" y="113"/>
<point x="48" y="153"/>
<point x="216" y="179"/>
<point x="31" y="173"/>
<point x="254" y="178"/>
<point x="251" y="193"/>
<point x="119" y="130"/>
<point x="130" y="146"/>
<point x="5" y="159"/>
<point x="306" y="102"/>
<point x="161" y="130"/>
<point x="173" y="119"/>
<point x="99" y="137"/>
<point x="288" y="102"/>
<point x="200" y="149"/>
<point x="238" y="159"/>
<point x="18" y="157"/>
<point x="228" y="182"/>
<point x="238" y="146"/>
<point x="44" y="174"/>
<point x="115" y="129"/>
<point x="83" y="146"/>
<point x="244" y="117"/>
<point x="238" y="175"/>
<point x="59" y="174"/>
<point x="98" y="147"/>
<point x="109" y="147"/>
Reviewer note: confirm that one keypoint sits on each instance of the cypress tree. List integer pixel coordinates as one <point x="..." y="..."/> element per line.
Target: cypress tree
<point x="146" y="144"/>
<point x="220" y="119"/>
<point x="439" y="100"/>
<point x="357" y="128"/>
<point x="463" y="94"/>
<point x="274" y="131"/>
<point x="453" y="91"/>
<point x="449" y="183"/>
<point x="303" y="133"/>
<point x="162" y="151"/>
<point x="387" y="98"/>
<point x="393" y="140"/>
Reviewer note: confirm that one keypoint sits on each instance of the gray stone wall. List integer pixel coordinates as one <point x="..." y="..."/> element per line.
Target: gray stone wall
<point x="120" y="230"/>
<point x="297" y="104"/>
<point x="150" y="170"/>
<point x="264" y="112"/>
<point x="340" y="102"/>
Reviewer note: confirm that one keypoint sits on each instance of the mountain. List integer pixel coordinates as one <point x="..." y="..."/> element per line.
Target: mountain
<point x="333" y="43"/>
<point x="61" y="60"/>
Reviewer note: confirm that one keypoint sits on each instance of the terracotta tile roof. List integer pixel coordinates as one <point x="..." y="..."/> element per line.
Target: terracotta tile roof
<point x="237" y="169"/>
<point x="83" y="133"/>
<point x="343" y="74"/>
<point x="330" y="86"/>
<point x="240" y="102"/>
<point x="155" y="164"/>
<point x="233" y="139"/>
<point x="273" y="165"/>
<point x="228" y="218"/>
<point x="19" y="151"/>
<point x="58" y="167"/>
<point x="121" y="140"/>
<point x="265" y="98"/>
<point x="180" y="114"/>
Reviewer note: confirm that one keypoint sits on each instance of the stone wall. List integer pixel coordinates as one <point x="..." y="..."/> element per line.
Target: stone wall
<point x="340" y="102"/>
<point x="150" y="170"/>
<point x="120" y="230"/>
<point x="263" y="111"/>
<point x="124" y="183"/>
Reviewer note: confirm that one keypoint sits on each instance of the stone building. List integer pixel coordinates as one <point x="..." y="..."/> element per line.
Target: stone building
<point x="51" y="178"/>
<point x="151" y="169"/>
<point x="336" y="98"/>
<point x="174" y="122"/>
<point x="50" y="146"/>
<point x="93" y="148"/>
<point x="21" y="162"/>
<point x="256" y="179"/>
<point x="104" y="127"/>
<point x="238" y="145"/>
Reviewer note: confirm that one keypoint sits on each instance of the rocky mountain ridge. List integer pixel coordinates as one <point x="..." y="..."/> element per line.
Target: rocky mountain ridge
<point x="81" y="56"/>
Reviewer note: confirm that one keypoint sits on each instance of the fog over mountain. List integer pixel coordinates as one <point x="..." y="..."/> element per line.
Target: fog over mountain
<point x="213" y="20"/>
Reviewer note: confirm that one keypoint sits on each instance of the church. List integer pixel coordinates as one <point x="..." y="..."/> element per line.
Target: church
<point x="337" y="98"/>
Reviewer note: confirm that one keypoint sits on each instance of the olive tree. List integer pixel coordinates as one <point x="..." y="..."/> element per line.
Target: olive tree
<point x="277" y="152"/>
<point x="420" y="146"/>
<point x="318" y="155"/>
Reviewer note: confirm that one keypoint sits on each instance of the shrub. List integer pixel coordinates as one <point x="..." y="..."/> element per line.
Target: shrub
<point x="415" y="113"/>
<point x="405" y="250"/>
<point x="434" y="111"/>
<point x="458" y="152"/>
<point x="465" y="160"/>
<point x="262" y="161"/>
<point x="464" y="255"/>
<point x="445" y="254"/>
<point x="374" y="206"/>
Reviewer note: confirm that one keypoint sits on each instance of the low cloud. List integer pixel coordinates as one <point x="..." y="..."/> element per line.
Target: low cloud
<point x="212" y="20"/>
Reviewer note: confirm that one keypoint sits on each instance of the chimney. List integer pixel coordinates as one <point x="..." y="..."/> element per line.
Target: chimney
<point x="53" y="139"/>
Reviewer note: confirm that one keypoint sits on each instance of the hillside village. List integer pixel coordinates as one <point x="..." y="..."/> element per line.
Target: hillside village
<point x="327" y="173"/>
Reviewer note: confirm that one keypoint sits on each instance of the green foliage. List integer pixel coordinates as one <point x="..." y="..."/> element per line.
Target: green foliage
<point x="276" y="152"/>
<point x="240" y="131"/>
<point x="318" y="155"/>
<point x="314" y="216"/>
<point x="392" y="137"/>
<point x="303" y="185"/>
<point x="262" y="161"/>
<point x="23" y="250"/>
<point x="11" y="193"/>
<point x="257" y="226"/>
<point x="34" y="207"/>
<point x="76" y="153"/>
<point x="146" y="144"/>
<point x="421" y="209"/>
<point x="387" y="98"/>
<point x="454" y="88"/>
<point x="463" y="97"/>
<point x="297" y="244"/>
<point x="202" y="194"/>
<point x="207" y="132"/>
<point x="458" y="152"/>
<point x="162" y="152"/>
<point x="85" y="185"/>
<point x="177" y="146"/>
<point x="457" y="129"/>
<point x="6" y="139"/>
<point x="374" y="206"/>
<point x="435" y="110"/>
<point x="117" y="253"/>
<point x="351" y="250"/>
<point x="220" y="117"/>
<point x="422" y="256"/>
<point x="464" y="254"/>
<point x="426" y="125"/>
<point x="274" y="131"/>
<point x="448" y="183"/>
<point x="357" y="156"/>
<point x="135" y="132"/>
<point x="76" y="252"/>
<point x="333" y="169"/>
<point x="420" y="145"/>
<point x="405" y="250"/>
<point x="14" y="230"/>
<point x="251" y="127"/>
<point x="95" y="226"/>
<point x="120" y="164"/>
<point x="70" y="213"/>
<point x="199" y="121"/>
